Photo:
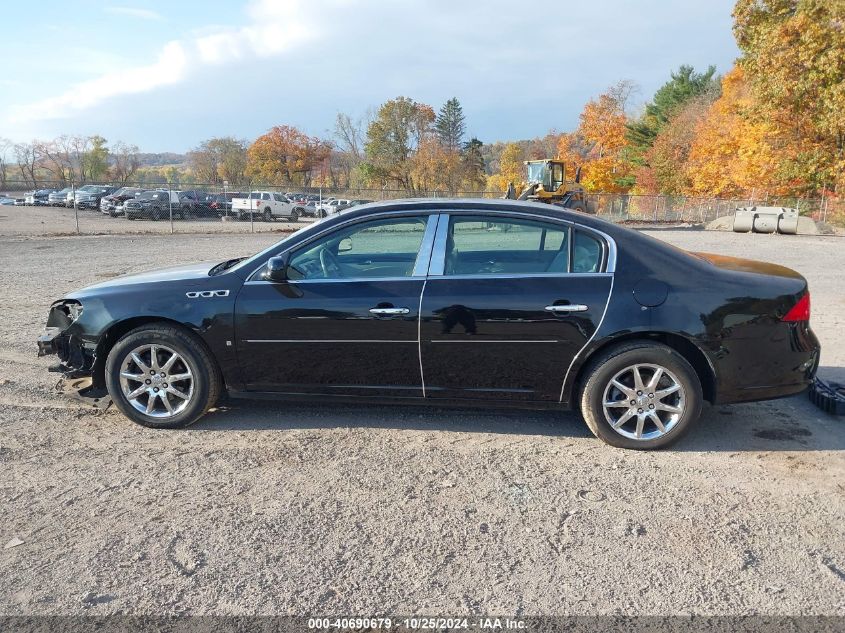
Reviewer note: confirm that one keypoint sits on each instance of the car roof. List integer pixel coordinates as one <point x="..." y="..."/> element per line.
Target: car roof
<point x="480" y="205"/>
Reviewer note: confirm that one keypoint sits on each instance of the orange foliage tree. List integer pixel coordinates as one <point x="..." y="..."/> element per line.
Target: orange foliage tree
<point x="285" y="156"/>
<point x="599" y="144"/>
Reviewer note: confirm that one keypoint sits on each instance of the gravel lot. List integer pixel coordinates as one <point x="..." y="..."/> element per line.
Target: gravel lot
<point x="277" y="509"/>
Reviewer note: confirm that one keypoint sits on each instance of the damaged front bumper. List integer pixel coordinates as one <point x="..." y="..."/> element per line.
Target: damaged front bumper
<point x="77" y="358"/>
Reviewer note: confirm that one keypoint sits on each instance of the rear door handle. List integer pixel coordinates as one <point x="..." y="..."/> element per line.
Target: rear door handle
<point x="389" y="311"/>
<point x="568" y="307"/>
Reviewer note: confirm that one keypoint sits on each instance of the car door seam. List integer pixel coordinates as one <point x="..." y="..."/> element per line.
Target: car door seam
<point x="589" y="340"/>
<point x="419" y="336"/>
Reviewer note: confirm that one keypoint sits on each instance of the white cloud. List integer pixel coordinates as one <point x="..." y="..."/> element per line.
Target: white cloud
<point x="275" y="27"/>
<point x="133" y="12"/>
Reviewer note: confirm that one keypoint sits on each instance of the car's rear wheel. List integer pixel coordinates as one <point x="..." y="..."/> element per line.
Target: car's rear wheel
<point x="294" y="216"/>
<point x="268" y="215"/>
<point x="162" y="377"/>
<point x="640" y="395"/>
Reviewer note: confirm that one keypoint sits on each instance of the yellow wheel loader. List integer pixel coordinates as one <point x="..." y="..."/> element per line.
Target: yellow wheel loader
<point x="546" y="182"/>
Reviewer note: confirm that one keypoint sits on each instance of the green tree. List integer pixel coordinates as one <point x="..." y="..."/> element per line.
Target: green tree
<point x="95" y="161"/>
<point x="670" y="98"/>
<point x="450" y="125"/>
<point x="472" y="160"/>
<point x="393" y="137"/>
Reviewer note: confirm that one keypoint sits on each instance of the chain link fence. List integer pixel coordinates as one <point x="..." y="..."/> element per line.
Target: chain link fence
<point x="57" y="208"/>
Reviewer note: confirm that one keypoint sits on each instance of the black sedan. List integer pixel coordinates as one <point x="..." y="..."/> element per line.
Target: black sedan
<point x="491" y="303"/>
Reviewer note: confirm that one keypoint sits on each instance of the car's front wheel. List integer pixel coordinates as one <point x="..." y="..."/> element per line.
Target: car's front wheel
<point x="640" y="395"/>
<point x="162" y="377"/>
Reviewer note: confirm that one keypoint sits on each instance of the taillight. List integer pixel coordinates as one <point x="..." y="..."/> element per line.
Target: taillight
<point x="800" y="311"/>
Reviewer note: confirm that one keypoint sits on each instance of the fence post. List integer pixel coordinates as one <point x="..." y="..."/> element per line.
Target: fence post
<point x="170" y="205"/>
<point x="75" y="209"/>
<point x="251" y="213"/>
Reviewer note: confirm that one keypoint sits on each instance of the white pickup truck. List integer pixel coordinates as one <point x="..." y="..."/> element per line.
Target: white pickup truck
<point x="267" y="205"/>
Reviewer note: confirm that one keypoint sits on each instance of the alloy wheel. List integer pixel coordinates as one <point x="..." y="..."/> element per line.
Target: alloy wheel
<point x="643" y="401"/>
<point x="156" y="381"/>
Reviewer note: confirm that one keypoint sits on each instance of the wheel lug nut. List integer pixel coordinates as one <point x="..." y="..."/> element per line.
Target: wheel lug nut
<point x="639" y="393"/>
<point x="651" y="395"/>
<point x="156" y="390"/>
<point x="165" y="386"/>
<point x="148" y="381"/>
<point x="163" y="374"/>
<point x="651" y="406"/>
<point x="152" y="372"/>
<point x="638" y="410"/>
<point x="632" y="401"/>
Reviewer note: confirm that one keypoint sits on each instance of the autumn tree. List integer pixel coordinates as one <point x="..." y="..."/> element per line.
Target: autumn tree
<point x="5" y="147"/>
<point x="393" y="137"/>
<point x="284" y="156"/>
<point x="511" y="168"/>
<point x="732" y="153"/>
<point x="26" y="157"/>
<point x="607" y="162"/>
<point x="794" y="62"/>
<point x="125" y="162"/>
<point x="219" y="159"/>
<point x="350" y="136"/>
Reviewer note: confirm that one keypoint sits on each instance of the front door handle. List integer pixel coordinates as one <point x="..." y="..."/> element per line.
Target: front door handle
<point x="389" y="311"/>
<point x="568" y="307"/>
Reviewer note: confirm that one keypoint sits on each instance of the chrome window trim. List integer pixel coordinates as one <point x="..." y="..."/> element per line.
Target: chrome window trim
<point x="438" y="255"/>
<point x="519" y="275"/>
<point x="251" y="278"/>
<point x="295" y="282"/>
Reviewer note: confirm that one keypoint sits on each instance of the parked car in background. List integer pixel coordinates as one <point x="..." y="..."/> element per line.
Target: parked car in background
<point x="196" y="203"/>
<point x="112" y="204"/>
<point x="59" y="198"/>
<point x="38" y="198"/>
<point x="89" y="196"/>
<point x="267" y="205"/>
<point x="5" y="200"/>
<point x="153" y="205"/>
<point x="222" y="203"/>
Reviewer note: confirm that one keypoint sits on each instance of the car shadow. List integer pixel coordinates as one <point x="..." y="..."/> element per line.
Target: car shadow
<point x="790" y="424"/>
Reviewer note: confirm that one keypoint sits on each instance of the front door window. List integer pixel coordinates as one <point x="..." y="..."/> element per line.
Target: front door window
<point x="381" y="248"/>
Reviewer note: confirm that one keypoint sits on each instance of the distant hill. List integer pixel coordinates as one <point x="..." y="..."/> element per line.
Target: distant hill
<point x="159" y="160"/>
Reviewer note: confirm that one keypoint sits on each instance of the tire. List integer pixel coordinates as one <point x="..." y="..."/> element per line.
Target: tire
<point x="616" y="363"/>
<point x="203" y="388"/>
<point x="268" y="215"/>
<point x="294" y="216"/>
<point x="321" y="213"/>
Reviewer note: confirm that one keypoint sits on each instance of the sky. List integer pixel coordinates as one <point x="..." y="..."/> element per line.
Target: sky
<point x="166" y="75"/>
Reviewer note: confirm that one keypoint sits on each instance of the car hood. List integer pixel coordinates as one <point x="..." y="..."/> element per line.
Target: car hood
<point x="184" y="273"/>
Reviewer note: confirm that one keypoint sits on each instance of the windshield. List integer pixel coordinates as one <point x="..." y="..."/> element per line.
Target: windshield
<point x="536" y="172"/>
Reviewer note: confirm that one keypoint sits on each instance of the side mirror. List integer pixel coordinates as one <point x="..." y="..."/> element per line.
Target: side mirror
<point x="276" y="270"/>
<point x="345" y="245"/>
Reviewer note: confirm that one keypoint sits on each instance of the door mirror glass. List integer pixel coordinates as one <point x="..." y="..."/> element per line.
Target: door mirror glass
<point x="276" y="270"/>
<point x="345" y="245"/>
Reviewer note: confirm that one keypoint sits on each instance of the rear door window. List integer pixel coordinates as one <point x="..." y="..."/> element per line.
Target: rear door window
<point x="479" y="245"/>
